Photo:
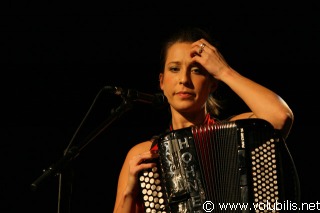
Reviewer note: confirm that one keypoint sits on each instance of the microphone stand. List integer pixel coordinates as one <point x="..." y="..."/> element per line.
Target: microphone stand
<point x="63" y="166"/>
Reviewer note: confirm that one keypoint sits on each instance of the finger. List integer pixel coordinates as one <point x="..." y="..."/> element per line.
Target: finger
<point x="201" y="48"/>
<point x="197" y="50"/>
<point x="208" y="45"/>
<point x="146" y="156"/>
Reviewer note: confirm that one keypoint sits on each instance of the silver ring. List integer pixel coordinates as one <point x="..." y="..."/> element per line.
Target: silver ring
<point x="201" y="48"/>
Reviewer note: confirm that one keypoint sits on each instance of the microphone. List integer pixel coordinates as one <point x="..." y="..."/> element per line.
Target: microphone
<point x="157" y="99"/>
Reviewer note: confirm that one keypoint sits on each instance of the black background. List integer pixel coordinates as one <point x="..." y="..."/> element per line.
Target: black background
<point x="57" y="56"/>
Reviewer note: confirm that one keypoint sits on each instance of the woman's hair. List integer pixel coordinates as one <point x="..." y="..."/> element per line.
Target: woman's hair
<point x="190" y="35"/>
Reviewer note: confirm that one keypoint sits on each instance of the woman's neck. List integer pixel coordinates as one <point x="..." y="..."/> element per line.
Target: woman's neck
<point x="183" y="120"/>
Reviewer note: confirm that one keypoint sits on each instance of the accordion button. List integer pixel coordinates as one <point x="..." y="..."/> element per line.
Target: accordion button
<point x="150" y="174"/>
<point x="156" y="200"/>
<point x="153" y="187"/>
<point x="145" y="173"/>
<point x="156" y="175"/>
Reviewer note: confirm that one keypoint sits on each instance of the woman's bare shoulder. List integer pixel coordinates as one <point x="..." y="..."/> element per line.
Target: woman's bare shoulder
<point x="140" y="147"/>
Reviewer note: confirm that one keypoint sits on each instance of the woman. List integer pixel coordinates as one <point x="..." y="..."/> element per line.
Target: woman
<point x="192" y="67"/>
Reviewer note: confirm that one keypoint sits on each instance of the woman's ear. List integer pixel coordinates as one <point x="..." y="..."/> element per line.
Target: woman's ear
<point x="161" y="80"/>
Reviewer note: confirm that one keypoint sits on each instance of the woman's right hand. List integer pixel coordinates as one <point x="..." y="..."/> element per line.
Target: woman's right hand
<point x="136" y="165"/>
<point x="138" y="159"/>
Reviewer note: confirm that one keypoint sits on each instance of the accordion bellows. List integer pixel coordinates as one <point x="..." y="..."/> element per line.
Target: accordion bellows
<point x="232" y="166"/>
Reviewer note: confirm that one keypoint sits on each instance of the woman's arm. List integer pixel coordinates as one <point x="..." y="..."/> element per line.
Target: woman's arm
<point x="262" y="102"/>
<point x="127" y="198"/>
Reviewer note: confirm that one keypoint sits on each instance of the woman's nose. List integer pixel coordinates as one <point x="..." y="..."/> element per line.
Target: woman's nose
<point x="182" y="81"/>
<point x="183" y="78"/>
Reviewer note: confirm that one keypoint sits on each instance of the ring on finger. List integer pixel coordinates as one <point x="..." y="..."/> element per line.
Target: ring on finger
<point x="201" y="48"/>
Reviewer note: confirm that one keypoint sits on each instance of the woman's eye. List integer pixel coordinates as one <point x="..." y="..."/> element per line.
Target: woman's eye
<point x="195" y="70"/>
<point x="174" y="69"/>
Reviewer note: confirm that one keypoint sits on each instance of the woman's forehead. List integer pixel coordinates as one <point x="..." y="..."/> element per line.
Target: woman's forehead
<point x="179" y="51"/>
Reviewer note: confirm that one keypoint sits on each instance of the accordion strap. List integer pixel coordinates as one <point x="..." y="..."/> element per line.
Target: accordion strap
<point x="154" y="140"/>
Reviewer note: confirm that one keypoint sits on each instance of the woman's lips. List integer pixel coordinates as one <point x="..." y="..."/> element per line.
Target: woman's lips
<point x="184" y="94"/>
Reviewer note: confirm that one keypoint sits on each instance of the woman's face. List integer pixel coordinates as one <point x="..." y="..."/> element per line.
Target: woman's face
<point x="184" y="82"/>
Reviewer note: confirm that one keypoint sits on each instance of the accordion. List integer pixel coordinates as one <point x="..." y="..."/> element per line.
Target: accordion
<point x="230" y="166"/>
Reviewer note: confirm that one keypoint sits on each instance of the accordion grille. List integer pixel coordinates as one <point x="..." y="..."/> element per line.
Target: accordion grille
<point x="218" y="161"/>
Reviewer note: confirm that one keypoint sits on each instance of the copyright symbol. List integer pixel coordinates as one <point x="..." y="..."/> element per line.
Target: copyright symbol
<point x="208" y="206"/>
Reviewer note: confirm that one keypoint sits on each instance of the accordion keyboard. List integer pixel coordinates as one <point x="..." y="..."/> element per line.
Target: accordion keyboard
<point x="151" y="189"/>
